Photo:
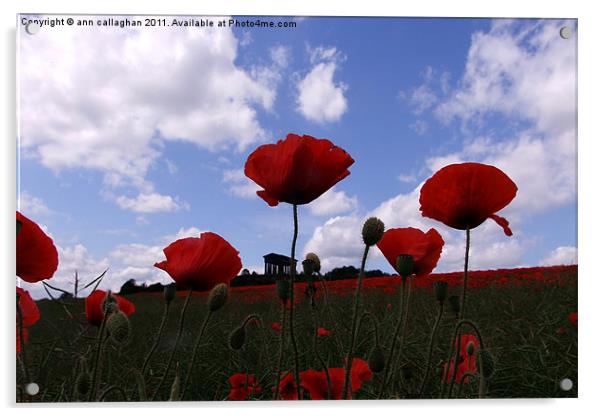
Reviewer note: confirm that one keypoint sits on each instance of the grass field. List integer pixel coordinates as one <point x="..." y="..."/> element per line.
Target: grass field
<point x="521" y="313"/>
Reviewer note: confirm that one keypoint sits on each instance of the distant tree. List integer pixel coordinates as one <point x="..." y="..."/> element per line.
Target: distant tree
<point x="130" y="287"/>
<point x="245" y="272"/>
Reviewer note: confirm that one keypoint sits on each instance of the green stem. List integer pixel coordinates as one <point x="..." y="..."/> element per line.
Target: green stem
<point x="395" y="337"/>
<point x="430" y="355"/>
<point x="322" y="362"/>
<point x="23" y="352"/>
<point x="95" y="372"/>
<point x="465" y="287"/>
<point x="292" y="301"/>
<point x="354" y="323"/>
<point x="177" y="343"/>
<point x="156" y="343"/>
<point x="280" y="353"/>
<point x="111" y="389"/>
<point x="194" y="352"/>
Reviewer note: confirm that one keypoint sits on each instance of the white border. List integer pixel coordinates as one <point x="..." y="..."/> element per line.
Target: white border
<point x="590" y="276"/>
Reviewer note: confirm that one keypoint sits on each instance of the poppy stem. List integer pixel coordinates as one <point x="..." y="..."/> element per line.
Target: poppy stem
<point x="464" y="289"/>
<point x="175" y="347"/>
<point x="322" y="362"/>
<point x="194" y="353"/>
<point x="430" y="355"/>
<point x="95" y="372"/>
<point x="292" y="300"/>
<point x="457" y="340"/>
<point x="395" y="337"/>
<point x="22" y="342"/>
<point x="354" y="328"/>
<point x="402" y="336"/>
<point x="280" y="353"/>
<point x="157" y="339"/>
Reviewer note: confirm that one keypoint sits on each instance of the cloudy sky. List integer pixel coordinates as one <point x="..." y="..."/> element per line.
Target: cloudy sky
<point x="131" y="138"/>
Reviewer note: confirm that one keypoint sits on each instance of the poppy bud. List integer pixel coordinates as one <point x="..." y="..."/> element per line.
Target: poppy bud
<point x="488" y="363"/>
<point x="376" y="361"/>
<point x="405" y="265"/>
<point x="83" y="382"/>
<point x="119" y="327"/>
<point x="283" y="287"/>
<point x="109" y="303"/>
<point x="454" y="302"/>
<point x="314" y="257"/>
<point x="470" y="348"/>
<point x="218" y="297"/>
<point x="373" y="231"/>
<point x="440" y="291"/>
<point x="309" y="267"/>
<point x="237" y="338"/>
<point x="169" y="292"/>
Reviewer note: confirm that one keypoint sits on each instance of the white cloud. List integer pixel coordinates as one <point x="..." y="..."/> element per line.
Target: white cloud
<point x="419" y="127"/>
<point x="108" y="100"/>
<point x="320" y="98"/>
<point x="561" y="255"/>
<point x="525" y="73"/>
<point x="151" y="203"/>
<point x="239" y="185"/>
<point x="28" y="204"/>
<point x="281" y="55"/>
<point x="406" y="178"/>
<point x="333" y="202"/>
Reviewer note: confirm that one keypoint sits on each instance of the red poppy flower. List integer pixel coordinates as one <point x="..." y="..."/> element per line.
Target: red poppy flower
<point x="298" y="169"/>
<point x="241" y="386"/>
<point x="29" y="309"/>
<point x="360" y="372"/>
<point x="464" y="195"/>
<point x="287" y="387"/>
<point x="276" y="326"/>
<point x="425" y="248"/>
<point x="30" y="314"/>
<point x="573" y="318"/>
<point x="201" y="262"/>
<point x="323" y="332"/>
<point x="316" y="383"/>
<point x="468" y="363"/>
<point x="37" y="258"/>
<point x="94" y="310"/>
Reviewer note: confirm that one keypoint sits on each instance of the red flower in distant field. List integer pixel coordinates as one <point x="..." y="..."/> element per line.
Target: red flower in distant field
<point x="425" y="248"/>
<point x="573" y="318"/>
<point x="241" y="386"/>
<point x="316" y="382"/>
<point x="30" y="314"/>
<point x="468" y="363"/>
<point x="298" y="169"/>
<point x="276" y="326"/>
<point x="561" y="330"/>
<point x="94" y="309"/>
<point x="201" y="262"/>
<point x="37" y="258"/>
<point x="389" y="307"/>
<point x="323" y="332"/>
<point x="287" y="387"/>
<point x="464" y="195"/>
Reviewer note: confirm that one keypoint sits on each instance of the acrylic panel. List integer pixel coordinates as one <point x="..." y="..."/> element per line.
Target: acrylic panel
<point x="279" y="208"/>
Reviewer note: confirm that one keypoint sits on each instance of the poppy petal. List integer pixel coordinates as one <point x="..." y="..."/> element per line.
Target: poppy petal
<point x="37" y="257"/>
<point x="502" y="222"/>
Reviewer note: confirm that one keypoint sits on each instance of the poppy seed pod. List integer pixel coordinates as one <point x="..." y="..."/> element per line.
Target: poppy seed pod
<point x="470" y="348"/>
<point x="373" y="231"/>
<point x="405" y="265"/>
<point x="237" y="338"/>
<point x="109" y="303"/>
<point x="169" y="292"/>
<point x="217" y="297"/>
<point x="83" y="382"/>
<point x="309" y="267"/>
<point x="454" y="302"/>
<point x="314" y="257"/>
<point x="119" y="327"/>
<point x="283" y="287"/>
<point x="376" y="361"/>
<point x="440" y="291"/>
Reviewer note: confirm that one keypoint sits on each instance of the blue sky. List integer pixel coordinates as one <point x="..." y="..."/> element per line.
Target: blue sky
<point x="131" y="138"/>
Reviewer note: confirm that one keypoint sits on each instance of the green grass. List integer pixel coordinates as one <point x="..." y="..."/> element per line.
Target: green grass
<point x="519" y="327"/>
